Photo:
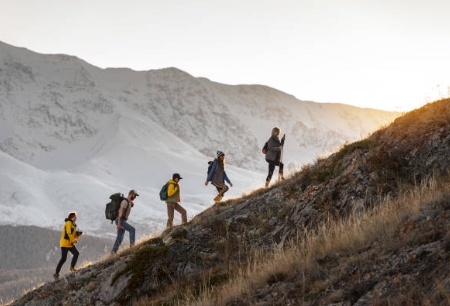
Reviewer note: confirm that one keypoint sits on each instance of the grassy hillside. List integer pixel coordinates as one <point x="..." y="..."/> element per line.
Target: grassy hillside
<point x="395" y="254"/>
<point x="367" y="225"/>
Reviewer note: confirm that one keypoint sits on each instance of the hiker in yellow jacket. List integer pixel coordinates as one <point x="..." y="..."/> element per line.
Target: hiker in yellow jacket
<point x="69" y="236"/>
<point x="174" y="196"/>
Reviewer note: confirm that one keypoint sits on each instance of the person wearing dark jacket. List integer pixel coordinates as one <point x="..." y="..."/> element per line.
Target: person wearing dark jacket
<point x="69" y="236"/>
<point x="218" y="176"/>
<point x="273" y="155"/>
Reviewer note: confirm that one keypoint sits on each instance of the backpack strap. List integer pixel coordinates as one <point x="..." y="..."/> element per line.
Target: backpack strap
<point x="128" y="202"/>
<point x="66" y="236"/>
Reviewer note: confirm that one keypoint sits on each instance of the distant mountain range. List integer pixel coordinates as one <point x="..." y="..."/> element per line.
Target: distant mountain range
<point x="71" y="134"/>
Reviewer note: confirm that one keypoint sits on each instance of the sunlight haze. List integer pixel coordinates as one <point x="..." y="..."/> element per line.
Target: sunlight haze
<point x="390" y="55"/>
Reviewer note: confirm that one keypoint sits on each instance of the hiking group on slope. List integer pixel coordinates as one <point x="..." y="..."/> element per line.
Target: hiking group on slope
<point x="216" y="175"/>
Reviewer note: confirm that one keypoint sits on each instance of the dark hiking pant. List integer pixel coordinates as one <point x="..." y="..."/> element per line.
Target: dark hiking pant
<point x="63" y="259"/>
<point x="272" y="165"/>
<point x="221" y="188"/>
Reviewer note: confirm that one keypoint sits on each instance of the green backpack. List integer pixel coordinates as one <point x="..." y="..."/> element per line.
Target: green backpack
<point x="163" y="195"/>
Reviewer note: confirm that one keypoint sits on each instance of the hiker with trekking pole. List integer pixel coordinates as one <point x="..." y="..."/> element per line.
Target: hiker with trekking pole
<point x="274" y="154"/>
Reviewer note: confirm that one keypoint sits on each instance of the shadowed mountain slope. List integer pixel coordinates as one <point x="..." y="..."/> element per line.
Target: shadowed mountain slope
<point x="391" y="186"/>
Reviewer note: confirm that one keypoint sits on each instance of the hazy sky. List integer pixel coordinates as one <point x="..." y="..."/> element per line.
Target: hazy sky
<point x="388" y="54"/>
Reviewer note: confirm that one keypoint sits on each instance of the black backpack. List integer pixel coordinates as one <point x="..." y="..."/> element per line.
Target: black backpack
<point x="210" y="163"/>
<point x="112" y="208"/>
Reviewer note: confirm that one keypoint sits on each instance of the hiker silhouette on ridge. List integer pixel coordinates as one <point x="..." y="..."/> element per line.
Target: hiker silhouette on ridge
<point x="274" y="154"/>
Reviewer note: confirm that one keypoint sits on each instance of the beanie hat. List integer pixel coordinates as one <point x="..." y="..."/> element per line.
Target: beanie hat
<point x="220" y="153"/>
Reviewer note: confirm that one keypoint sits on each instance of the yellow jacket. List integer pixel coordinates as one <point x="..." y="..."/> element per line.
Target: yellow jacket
<point x="68" y="235"/>
<point x="173" y="192"/>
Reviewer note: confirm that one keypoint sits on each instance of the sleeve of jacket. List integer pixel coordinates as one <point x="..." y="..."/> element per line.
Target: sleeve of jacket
<point x="213" y="168"/>
<point x="226" y="178"/>
<point x="171" y="189"/>
<point x="70" y="230"/>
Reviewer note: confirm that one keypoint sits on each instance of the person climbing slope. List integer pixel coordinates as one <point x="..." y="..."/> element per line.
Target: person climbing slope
<point x="273" y="155"/>
<point x="174" y="197"/>
<point x="122" y="221"/>
<point x="69" y="237"/>
<point x="217" y="176"/>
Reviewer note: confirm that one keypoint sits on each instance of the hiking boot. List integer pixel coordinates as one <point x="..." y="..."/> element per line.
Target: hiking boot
<point x="267" y="183"/>
<point x="56" y="276"/>
<point x="72" y="269"/>
<point x="217" y="198"/>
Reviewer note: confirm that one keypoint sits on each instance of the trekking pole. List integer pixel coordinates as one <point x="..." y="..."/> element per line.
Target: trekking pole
<point x="281" y="154"/>
<point x="281" y="157"/>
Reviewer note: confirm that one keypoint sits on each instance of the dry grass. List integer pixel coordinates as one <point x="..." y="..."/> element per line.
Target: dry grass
<point x="335" y="239"/>
<point x="378" y="229"/>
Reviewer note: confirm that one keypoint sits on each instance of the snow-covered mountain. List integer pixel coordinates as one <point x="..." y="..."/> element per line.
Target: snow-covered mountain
<point x="71" y="134"/>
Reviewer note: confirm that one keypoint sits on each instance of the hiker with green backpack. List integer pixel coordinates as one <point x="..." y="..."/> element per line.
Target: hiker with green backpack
<point x="170" y="193"/>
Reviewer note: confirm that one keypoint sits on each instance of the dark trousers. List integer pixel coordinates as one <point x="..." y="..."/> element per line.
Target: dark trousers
<point x="272" y="165"/>
<point x="63" y="259"/>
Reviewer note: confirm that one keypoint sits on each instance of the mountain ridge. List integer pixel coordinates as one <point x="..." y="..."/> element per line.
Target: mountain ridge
<point x="84" y="128"/>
